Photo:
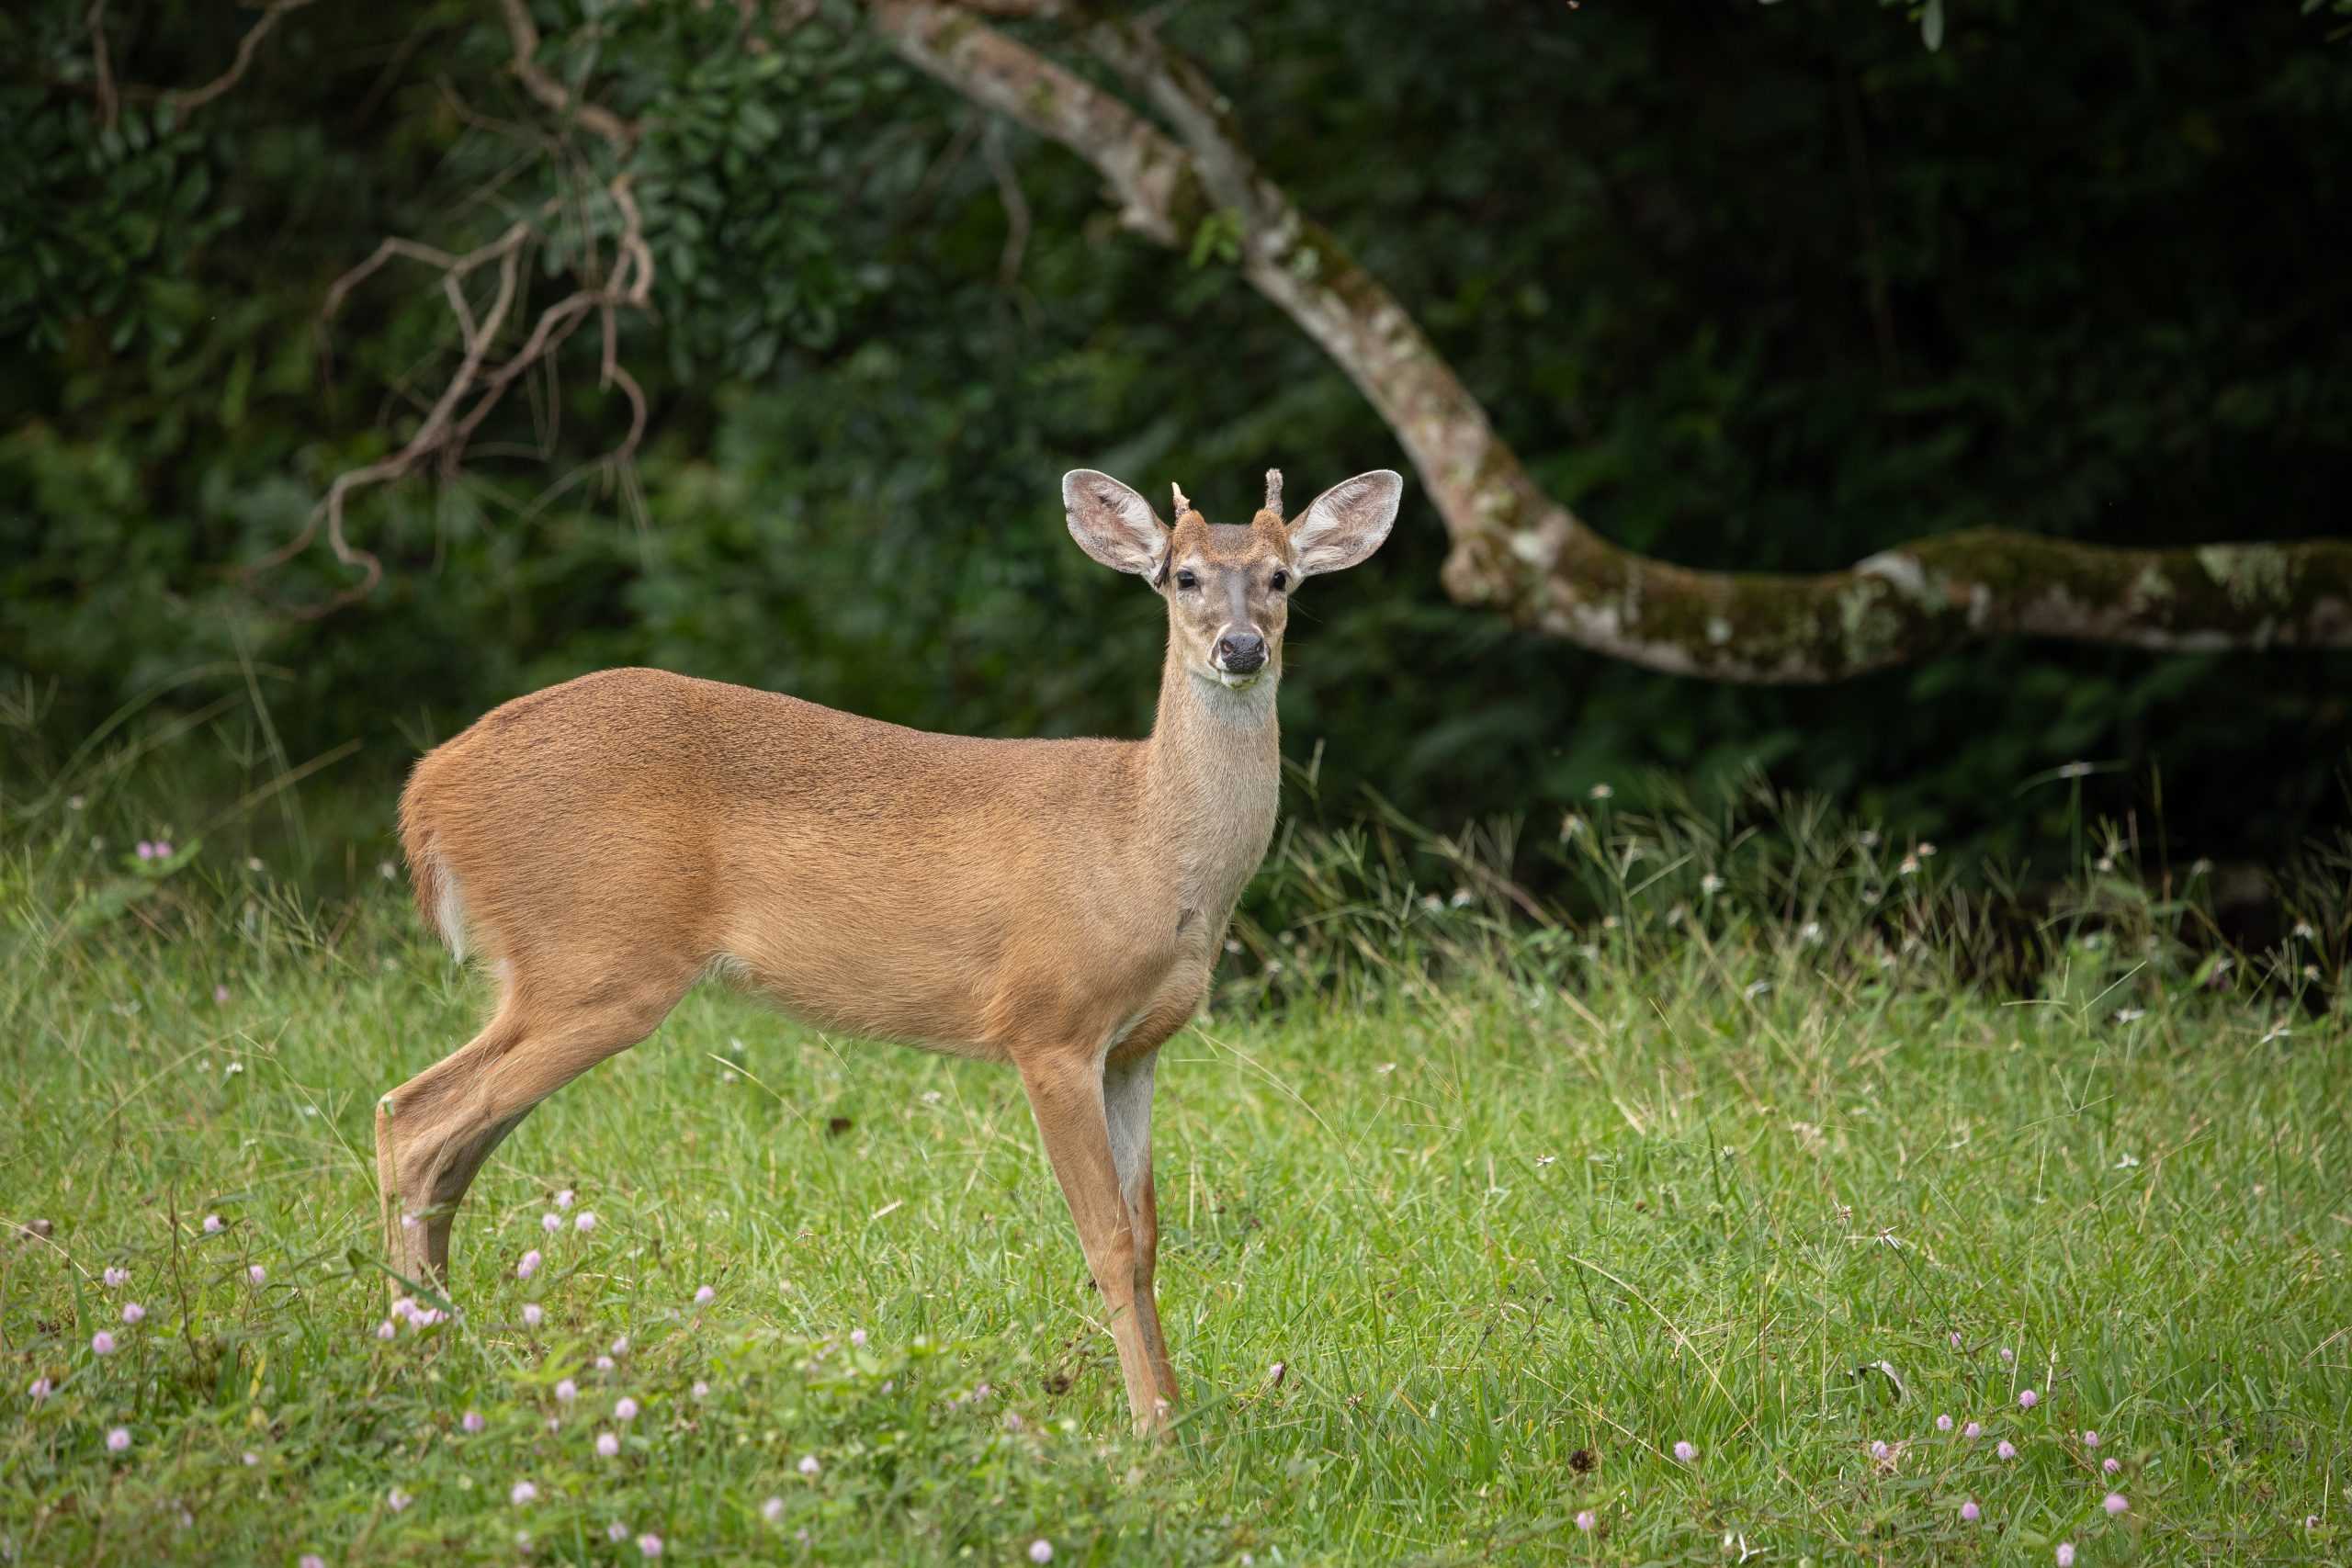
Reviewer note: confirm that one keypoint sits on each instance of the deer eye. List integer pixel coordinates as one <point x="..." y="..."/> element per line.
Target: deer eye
<point x="1184" y="578"/>
<point x="1282" y="580"/>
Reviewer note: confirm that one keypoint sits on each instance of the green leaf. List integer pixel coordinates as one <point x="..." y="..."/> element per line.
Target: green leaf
<point x="1218" y="236"/>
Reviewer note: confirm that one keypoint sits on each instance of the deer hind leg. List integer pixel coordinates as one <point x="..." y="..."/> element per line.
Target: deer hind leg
<point x="434" y="1132"/>
<point x="1127" y="1103"/>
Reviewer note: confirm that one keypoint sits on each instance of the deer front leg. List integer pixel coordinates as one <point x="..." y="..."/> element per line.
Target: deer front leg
<point x="1126" y="1101"/>
<point x="1066" y="1095"/>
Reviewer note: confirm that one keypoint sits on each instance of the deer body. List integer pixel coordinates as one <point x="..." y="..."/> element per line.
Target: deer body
<point x="1058" y="905"/>
<point x="637" y="830"/>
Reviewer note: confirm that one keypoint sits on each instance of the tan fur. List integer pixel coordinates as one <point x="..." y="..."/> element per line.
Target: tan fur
<point x="603" y="844"/>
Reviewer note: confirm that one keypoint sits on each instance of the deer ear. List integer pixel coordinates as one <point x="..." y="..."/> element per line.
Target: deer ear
<point x="1112" y="523"/>
<point x="1347" y="522"/>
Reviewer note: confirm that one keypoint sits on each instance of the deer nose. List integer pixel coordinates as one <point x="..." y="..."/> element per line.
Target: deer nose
<point x="1240" y="652"/>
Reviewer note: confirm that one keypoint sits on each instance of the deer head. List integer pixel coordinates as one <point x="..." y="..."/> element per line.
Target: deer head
<point x="1229" y="584"/>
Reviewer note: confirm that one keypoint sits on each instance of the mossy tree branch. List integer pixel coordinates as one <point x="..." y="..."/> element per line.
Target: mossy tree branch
<point x="1524" y="554"/>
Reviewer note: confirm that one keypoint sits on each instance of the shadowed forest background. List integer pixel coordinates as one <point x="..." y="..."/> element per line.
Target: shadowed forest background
<point x="1756" y="287"/>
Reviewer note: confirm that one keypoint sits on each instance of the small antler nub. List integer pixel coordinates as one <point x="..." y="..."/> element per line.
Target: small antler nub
<point x="1182" y="506"/>
<point x="1274" y="492"/>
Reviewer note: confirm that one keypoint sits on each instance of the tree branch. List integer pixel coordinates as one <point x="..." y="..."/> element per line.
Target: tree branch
<point x="440" y="423"/>
<point x="1151" y="179"/>
<point x="524" y="34"/>
<point x="102" y="66"/>
<point x="1519" y="551"/>
<point x="1016" y="218"/>
<point x="478" y="383"/>
<point x="247" y="46"/>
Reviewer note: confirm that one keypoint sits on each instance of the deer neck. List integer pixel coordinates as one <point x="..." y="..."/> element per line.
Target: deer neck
<point x="1214" y="769"/>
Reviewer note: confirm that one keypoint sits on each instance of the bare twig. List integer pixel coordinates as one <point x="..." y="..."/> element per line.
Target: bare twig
<point x="1182" y="93"/>
<point x="478" y="335"/>
<point x="950" y="158"/>
<point x="480" y="381"/>
<point x="1153" y="180"/>
<point x="102" y="67"/>
<point x="635" y="252"/>
<point x="430" y="255"/>
<point x="747" y="28"/>
<point x="390" y="75"/>
<point x="537" y="79"/>
<point x="1016" y="215"/>
<point x="541" y="142"/>
<point x="637" y="267"/>
<point x="247" y="47"/>
<point x="478" y="384"/>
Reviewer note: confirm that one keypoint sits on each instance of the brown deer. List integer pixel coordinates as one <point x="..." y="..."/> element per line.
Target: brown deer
<point x="604" y="844"/>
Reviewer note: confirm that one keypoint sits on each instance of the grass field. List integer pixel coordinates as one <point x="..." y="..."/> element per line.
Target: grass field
<point x="1450" y="1268"/>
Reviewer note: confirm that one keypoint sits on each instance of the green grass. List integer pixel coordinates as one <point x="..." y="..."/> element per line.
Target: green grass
<point x="1509" y="1237"/>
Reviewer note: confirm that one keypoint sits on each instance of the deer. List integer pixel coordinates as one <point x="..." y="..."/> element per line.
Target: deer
<point x="600" y="847"/>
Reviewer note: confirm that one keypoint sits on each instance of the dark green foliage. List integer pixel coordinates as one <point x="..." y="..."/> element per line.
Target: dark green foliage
<point x="1756" y="287"/>
<point x="745" y="158"/>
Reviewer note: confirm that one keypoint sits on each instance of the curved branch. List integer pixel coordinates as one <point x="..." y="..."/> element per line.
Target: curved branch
<point x="1521" y="553"/>
<point x="247" y="47"/>
<point x="1153" y="181"/>
<point x="449" y="425"/>
<point x="440" y="424"/>
<point x="523" y="33"/>
<point x="181" y="99"/>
